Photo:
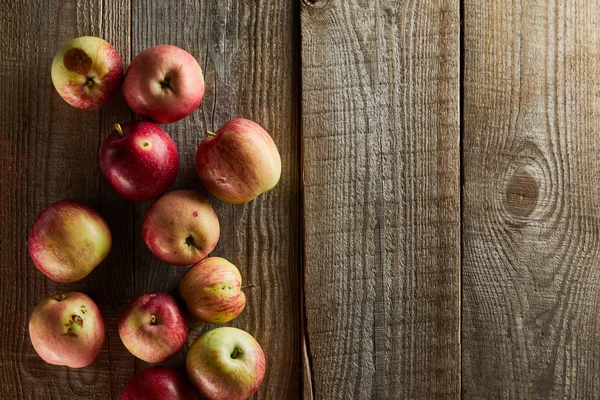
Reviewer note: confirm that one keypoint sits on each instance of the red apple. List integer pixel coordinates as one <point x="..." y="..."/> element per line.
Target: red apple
<point x="238" y="162"/>
<point x="181" y="227"/>
<point x="67" y="329"/>
<point x="226" y="363"/>
<point x="212" y="291"/>
<point x="68" y="240"/>
<point x="153" y="328"/>
<point x="159" y="383"/>
<point x="164" y="83"/>
<point x="87" y="72"/>
<point x="139" y="160"/>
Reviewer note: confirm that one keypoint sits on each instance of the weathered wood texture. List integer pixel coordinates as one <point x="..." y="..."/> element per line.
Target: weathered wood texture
<point x="246" y="50"/>
<point x="49" y="152"/>
<point x="380" y="128"/>
<point x="531" y="199"/>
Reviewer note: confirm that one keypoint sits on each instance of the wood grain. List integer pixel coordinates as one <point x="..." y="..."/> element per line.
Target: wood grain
<point x="49" y="152"/>
<point x="380" y="126"/>
<point x="247" y="54"/>
<point x="531" y="200"/>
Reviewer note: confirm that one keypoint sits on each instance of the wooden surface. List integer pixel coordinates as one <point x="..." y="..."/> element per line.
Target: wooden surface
<point x="531" y="200"/>
<point x="435" y="230"/>
<point x="380" y="123"/>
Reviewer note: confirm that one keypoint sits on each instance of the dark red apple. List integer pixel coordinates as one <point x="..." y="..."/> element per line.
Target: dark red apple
<point x="212" y="290"/>
<point x="159" y="383"/>
<point x="67" y="329"/>
<point x="164" y="84"/>
<point x="153" y="328"/>
<point x="238" y="162"/>
<point x="139" y="160"/>
<point x="181" y="228"/>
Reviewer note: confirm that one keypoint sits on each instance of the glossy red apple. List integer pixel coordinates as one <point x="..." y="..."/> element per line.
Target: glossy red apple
<point x="68" y="240"/>
<point x="67" y="329"/>
<point x="238" y="162"/>
<point x="181" y="227"/>
<point x="226" y="364"/>
<point x="159" y="383"/>
<point x="212" y="290"/>
<point x="87" y="72"/>
<point x="164" y="84"/>
<point x="139" y="160"/>
<point x="153" y="328"/>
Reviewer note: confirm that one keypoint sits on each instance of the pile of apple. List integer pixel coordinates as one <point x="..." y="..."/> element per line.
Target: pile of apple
<point x="69" y="239"/>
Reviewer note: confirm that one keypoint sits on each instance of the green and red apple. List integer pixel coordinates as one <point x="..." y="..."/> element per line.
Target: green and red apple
<point x="181" y="227"/>
<point x="87" y="72"/>
<point x="67" y="329"/>
<point x="163" y="83"/>
<point x="68" y="240"/>
<point x="226" y="364"/>
<point x="153" y="328"/>
<point x="212" y="290"/>
<point x="238" y="162"/>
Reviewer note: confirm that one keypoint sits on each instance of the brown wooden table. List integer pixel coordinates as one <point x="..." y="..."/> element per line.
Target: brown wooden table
<point x="435" y="232"/>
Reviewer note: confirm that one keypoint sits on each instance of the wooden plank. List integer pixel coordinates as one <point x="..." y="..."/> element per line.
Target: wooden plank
<point x="49" y="152"/>
<point x="246" y="50"/>
<point x="380" y="117"/>
<point x="531" y="199"/>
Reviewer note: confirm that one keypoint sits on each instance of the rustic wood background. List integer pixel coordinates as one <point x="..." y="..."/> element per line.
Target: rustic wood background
<point x="435" y="233"/>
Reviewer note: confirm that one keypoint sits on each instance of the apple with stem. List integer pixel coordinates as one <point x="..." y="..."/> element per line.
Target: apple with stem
<point x="68" y="240"/>
<point x="238" y="162"/>
<point x="87" y="72"/>
<point x="67" y="329"/>
<point x="181" y="228"/>
<point x="212" y="290"/>
<point x="159" y="383"/>
<point x="226" y="364"/>
<point x="163" y="83"/>
<point x="139" y="160"/>
<point x="153" y="328"/>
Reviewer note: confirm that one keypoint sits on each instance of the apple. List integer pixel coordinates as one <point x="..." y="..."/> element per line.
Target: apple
<point x="87" y="72"/>
<point x="238" y="162"/>
<point x="67" y="329"/>
<point x="181" y="228"/>
<point x="68" y="240"/>
<point x="164" y="84"/>
<point x="139" y="160"/>
<point x="212" y="291"/>
<point x="153" y="328"/>
<point x="226" y="363"/>
<point x="159" y="383"/>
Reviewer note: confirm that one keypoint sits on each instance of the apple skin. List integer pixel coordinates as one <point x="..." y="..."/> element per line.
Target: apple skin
<point x="159" y="383"/>
<point x="153" y="328"/>
<point x="87" y="72"/>
<point x="67" y="329"/>
<point x="226" y="363"/>
<point x="239" y="162"/>
<point x="68" y="240"/>
<point x="212" y="291"/>
<point x="181" y="228"/>
<point x="139" y="160"/>
<point x="164" y="84"/>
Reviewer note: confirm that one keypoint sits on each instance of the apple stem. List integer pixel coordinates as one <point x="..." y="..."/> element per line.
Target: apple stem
<point x="152" y="320"/>
<point x="119" y="130"/>
<point x="236" y="352"/>
<point x="250" y="285"/>
<point x="210" y="133"/>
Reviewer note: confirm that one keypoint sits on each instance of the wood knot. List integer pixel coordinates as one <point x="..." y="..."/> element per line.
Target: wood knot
<point x="522" y="193"/>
